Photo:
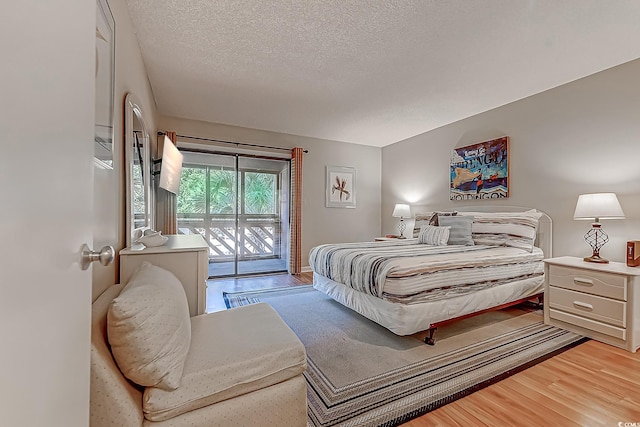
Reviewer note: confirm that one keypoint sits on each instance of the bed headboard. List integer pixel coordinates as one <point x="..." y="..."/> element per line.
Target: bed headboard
<point x="543" y="233"/>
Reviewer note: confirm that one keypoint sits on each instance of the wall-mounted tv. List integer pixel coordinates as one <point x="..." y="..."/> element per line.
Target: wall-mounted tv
<point x="171" y="167"/>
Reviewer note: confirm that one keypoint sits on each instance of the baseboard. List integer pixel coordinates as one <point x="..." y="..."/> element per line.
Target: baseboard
<point x="306" y="269"/>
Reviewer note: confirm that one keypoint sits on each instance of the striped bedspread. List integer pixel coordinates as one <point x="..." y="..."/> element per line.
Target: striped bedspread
<point x="409" y="272"/>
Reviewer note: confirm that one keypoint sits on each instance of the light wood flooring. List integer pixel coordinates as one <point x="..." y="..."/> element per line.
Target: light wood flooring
<point x="215" y="287"/>
<point x="220" y="269"/>
<point x="592" y="384"/>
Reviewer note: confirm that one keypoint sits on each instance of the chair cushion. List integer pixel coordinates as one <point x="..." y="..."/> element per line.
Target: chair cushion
<point x="233" y="352"/>
<point x="149" y="328"/>
<point x="114" y="401"/>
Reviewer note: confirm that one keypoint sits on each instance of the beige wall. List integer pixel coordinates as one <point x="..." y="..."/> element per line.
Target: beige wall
<point x="319" y="224"/>
<point x="130" y="76"/>
<point x="581" y="137"/>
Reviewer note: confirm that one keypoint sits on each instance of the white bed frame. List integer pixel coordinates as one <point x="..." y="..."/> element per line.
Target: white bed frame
<point x="407" y="319"/>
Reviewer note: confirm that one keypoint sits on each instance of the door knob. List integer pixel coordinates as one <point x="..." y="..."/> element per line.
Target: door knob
<point x="105" y="256"/>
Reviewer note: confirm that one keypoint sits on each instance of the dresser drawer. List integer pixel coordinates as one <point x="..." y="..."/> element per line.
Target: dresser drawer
<point x="593" y="282"/>
<point x="589" y="324"/>
<point x="605" y="310"/>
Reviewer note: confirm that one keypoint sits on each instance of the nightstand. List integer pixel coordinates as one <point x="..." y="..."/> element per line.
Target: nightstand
<point x="600" y="301"/>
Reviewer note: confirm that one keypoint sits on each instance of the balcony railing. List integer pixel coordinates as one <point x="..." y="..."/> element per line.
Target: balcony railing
<point x="258" y="236"/>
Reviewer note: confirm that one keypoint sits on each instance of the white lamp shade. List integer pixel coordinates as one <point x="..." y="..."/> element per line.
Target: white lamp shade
<point x="401" y="211"/>
<point x="171" y="167"/>
<point x="598" y="206"/>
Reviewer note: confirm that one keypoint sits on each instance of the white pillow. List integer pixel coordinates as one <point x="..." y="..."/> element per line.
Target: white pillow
<point x="149" y="329"/>
<point x="432" y="235"/>
<point x="516" y="229"/>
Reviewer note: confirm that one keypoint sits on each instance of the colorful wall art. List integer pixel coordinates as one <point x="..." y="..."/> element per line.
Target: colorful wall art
<point x="480" y="171"/>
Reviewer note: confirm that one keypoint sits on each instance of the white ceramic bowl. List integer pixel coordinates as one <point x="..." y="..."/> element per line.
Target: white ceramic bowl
<point x="153" y="239"/>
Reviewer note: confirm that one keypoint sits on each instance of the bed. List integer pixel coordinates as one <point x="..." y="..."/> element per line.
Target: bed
<point x="491" y="258"/>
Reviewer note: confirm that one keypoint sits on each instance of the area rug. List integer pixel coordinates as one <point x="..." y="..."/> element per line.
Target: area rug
<point x="361" y="374"/>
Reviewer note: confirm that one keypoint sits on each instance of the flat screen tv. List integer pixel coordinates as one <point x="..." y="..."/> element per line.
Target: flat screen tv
<point x="171" y="167"/>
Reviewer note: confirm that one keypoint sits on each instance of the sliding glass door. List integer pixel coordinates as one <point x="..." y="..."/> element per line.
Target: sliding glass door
<point x="240" y="205"/>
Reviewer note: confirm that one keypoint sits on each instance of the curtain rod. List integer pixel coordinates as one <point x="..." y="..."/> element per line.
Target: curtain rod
<point x="232" y="142"/>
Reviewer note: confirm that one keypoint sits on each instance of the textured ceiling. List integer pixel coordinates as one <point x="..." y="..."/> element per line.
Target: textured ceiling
<point x="370" y="72"/>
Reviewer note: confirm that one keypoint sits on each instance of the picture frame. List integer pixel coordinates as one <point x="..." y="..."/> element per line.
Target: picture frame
<point x="104" y="84"/>
<point x="341" y="187"/>
<point x="480" y="171"/>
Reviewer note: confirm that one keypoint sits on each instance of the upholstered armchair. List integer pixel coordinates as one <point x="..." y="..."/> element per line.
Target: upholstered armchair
<point x="152" y="365"/>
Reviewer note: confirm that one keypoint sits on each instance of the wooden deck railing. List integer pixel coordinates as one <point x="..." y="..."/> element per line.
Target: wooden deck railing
<point x="258" y="236"/>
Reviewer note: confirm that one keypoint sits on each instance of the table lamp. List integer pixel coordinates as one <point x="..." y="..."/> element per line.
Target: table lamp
<point x="401" y="211"/>
<point x="597" y="206"/>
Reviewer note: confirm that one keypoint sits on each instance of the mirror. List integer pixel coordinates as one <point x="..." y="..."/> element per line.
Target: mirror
<point x="137" y="153"/>
<point x="104" y="74"/>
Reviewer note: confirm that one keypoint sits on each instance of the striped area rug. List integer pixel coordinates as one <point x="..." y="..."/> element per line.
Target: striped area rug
<point x="360" y="374"/>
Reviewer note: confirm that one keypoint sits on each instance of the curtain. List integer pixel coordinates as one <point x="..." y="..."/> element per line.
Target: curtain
<point x="167" y="208"/>
<point x="295" y="254"/>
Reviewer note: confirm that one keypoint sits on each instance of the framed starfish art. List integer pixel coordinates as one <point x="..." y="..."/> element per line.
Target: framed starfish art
<point x="341" y="187"/>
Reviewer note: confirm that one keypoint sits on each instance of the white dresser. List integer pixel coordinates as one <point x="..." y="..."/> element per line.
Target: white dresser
<point x="186" y="256"/>
<point x="600" y="301"/>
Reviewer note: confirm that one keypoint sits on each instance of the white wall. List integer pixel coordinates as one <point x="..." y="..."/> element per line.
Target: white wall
<point x="130" y="76"/>
<point x="319" y="224"/>
<point x="582" y="137"/>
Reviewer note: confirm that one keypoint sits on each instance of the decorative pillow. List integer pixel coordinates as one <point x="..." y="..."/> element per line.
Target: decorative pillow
<point x="460" y="233"/>
<point x="432" y="235"/>
<point x="149" y="329"/>
<point x="428" y="218"/>
<point x="515" y="229"/>
<point x="434" y="218"/>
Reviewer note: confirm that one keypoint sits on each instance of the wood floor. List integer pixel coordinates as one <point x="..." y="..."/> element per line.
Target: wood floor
<point x="592" y="384"/>
<point x="220" y="269"/>
<point x="215" y="287"/>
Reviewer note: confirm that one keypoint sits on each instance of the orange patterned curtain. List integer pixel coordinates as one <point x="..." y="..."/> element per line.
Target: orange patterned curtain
<point x="167" y="208"/>
<point x="295" y="254"/>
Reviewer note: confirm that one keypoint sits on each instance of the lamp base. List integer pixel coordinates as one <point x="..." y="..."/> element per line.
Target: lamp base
<point x="596" y="238"/>
<point x="401" y="227"/>
<point x="596" y="258"/>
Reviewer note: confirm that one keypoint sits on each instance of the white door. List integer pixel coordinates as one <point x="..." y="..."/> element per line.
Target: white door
<point x="46" y="167"/>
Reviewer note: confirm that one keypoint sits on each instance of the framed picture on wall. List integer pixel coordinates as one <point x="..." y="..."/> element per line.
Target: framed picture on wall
<point x="341" y="187"/>
<point x="104" y="74"/>
<point x="480" y="171"/>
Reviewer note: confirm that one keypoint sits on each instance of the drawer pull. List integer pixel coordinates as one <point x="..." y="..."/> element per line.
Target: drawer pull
<point x="583" y="305"/>
<point x="581" y="281"/>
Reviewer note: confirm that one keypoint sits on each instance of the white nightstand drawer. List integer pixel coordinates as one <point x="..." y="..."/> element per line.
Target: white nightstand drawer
<point x="590" y="325"/>
<point x="604" y="310"/>
<point x="593" y="282"/>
